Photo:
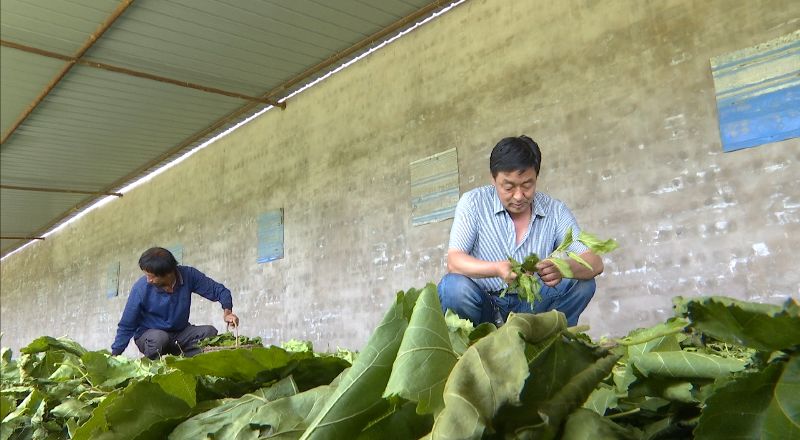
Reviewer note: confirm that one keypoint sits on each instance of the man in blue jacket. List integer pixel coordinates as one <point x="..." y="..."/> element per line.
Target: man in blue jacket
<point x="157" y="312"/>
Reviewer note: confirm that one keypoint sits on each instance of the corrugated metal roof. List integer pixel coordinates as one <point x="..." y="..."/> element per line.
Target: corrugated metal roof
<point x="119" y="110"/>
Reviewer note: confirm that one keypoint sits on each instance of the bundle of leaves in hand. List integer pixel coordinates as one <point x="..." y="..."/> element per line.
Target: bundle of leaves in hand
<point x="528" y="286"/>
<point x="228" y="339"/>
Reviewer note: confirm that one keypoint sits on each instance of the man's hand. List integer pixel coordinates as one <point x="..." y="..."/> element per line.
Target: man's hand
<point x="230" y="317"/>
<point x="504" y="271"/>
<point x="549" y="273"/>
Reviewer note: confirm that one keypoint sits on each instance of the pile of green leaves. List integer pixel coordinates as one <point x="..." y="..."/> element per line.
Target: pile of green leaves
<point x="228" y="339"/>
<point x="720" y="369"/>
<point x="59" y="390"/>
<point x="527" y="285"/>
<point x="56" y="384"/>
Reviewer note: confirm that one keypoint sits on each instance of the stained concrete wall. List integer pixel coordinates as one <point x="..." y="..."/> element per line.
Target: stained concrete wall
<point x="618" y="94"/>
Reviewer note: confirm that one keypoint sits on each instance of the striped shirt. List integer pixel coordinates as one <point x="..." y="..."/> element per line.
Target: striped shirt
<point x="483" y="229"/>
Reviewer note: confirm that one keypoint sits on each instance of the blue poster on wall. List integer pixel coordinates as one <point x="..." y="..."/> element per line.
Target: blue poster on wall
<point x="270" y="236"/>
<point x="758" y="93"/>
<point x="112" y="280"/>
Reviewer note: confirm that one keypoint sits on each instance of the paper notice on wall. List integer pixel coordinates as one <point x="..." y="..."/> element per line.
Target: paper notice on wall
<point x="112" y="280"/>
<point x="434" y="187"/>
<point x="270" y="236"/>
<point x="758" y="93"/>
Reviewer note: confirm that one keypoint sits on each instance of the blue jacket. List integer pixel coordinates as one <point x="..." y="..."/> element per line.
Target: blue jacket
<point x="150" y="307"/>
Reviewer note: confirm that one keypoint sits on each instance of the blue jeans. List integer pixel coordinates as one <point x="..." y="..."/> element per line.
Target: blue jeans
<point x="463" y="295"/>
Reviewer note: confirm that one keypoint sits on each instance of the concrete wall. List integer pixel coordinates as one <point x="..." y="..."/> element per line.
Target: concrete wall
<point x="618" y="94"/>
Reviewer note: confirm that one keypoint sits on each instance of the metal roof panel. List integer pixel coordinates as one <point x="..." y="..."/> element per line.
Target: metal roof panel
<point x="153" y="79"/>
<point x="24" y="212"/>
<point x="55" y="25"/>
<point x="24" y="77"/>
<point x="94" y="126"/>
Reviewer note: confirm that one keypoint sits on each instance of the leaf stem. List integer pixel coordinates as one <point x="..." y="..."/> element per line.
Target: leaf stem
<point x="623" y="414"/>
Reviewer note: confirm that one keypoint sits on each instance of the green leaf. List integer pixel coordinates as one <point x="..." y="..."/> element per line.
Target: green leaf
<point x="5" y="355"/>
<point x="318" y="370"/>
<point x="179" y="384"/>
<point x="357" y="399"/>
<point x="526" y="285"/>
<point x="401" y="422"/>
<point x="48" y="343"/>
<point x="58" y="391"/>
<point x="529" y="264"/>
<point x="686" y="364"/>
<point x="28" y="412"/>
<point x="9" y="370"/>
<point x="289" y="417"/>
<point x="76" y="408"/>
<point x="297" y="345"/>
<point x="527" y="290"/>
<point x="659" y="344"/>
<point x="580" y="260"/>
<point x="548" y="405"/>
<point x="241" y="364"/>
<point x="680" y="392"/>
<point x="7" y="406"/>
<point x="640" y="336"/>
<point x="623" y="376"/>
<point x="228" y="339"/>
<point x="568" y="239"/>
<point x="584" y="424"/>
<point x="104" y="370"/>
<point x="459" y="330"/>
<point x="596" y="245"/>
<point x="425" y="357"/>
<point x="660" y="429"/>
<point x="674" y="389"/>
<point x="761" y="326"/>
<point x="490" y="374"/>
<point x="145" y="409"/>
<point x="47" y="365"/>
<point x="483" y="329"/>
<point x="234" y="419"/>
<point x="258" y="366"/>
<point x="601" y="399"/>
<point x="97" y="423"/>
<point x="563" y="267"/>
<point x="68" y="370"/>
<point x="763" y="405"/>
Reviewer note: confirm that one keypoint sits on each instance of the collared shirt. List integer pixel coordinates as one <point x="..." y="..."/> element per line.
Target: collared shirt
<point x="150" y="307"/>
<point x="484" y="229"/>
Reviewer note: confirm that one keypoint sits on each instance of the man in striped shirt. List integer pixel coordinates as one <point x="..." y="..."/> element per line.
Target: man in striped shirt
<point x="510" y="219"/>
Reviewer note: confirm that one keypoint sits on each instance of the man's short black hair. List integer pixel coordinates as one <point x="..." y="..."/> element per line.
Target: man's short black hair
<point x="515" y="154"/>
<point x="158" y="261"/>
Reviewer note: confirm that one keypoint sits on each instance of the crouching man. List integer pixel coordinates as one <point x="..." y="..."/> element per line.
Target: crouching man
<point x="509" y="218"/>
<point x="157" y="312"/>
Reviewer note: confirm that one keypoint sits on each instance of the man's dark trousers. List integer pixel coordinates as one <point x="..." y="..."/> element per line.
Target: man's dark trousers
<point x="154" y="343"/>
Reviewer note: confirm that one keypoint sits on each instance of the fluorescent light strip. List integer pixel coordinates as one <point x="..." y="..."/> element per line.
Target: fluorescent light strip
<point x="157" y="171"/>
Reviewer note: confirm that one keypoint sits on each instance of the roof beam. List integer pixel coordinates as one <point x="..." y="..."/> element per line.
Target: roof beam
<point x="20" y="237"/>
<point x="138" y="74"/>
<point x="121" y="7"/>
<point x="60" y="190"/>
